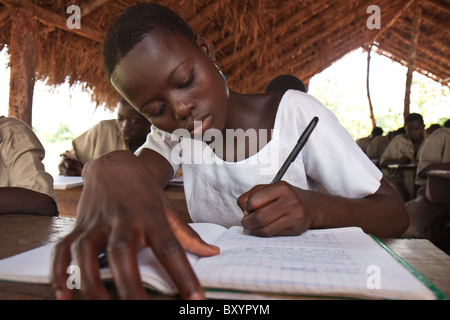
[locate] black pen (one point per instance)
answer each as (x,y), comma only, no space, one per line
(298,147)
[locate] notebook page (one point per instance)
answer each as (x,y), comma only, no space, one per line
(332,262)
(34,266)
(31,266)
(153,273)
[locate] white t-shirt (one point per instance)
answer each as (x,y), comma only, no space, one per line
(330,159)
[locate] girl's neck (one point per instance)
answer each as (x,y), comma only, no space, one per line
(254,115)
(252,111)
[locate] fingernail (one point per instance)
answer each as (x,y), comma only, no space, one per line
(61,295)
(197,296)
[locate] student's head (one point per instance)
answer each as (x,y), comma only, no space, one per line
(432,128)
(377,131)
(285,82)
(414,127)
(133,126)
(154,60)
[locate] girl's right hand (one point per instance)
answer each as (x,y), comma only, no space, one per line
(123,208)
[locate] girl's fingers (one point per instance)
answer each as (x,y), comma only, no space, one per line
(122,259)
(188,238)
(85,253)
(61,259)
(173,258)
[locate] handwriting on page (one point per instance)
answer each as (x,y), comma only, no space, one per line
(312,260)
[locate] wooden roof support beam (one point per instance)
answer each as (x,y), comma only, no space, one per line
(440,5)
(391,23)
(87,8)
(52,19)
(296,19)
(4,15)
(437,55)
(23,63)
(412,55)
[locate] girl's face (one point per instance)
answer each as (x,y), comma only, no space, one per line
(173,83)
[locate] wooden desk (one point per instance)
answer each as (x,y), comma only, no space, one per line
(19,233)
(68,200)
(438,186)
(409,177)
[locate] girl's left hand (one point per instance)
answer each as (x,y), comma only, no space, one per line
(274,209)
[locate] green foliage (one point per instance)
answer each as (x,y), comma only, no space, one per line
(63,134)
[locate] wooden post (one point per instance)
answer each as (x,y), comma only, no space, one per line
(412,55)
(372,116)
(23,63)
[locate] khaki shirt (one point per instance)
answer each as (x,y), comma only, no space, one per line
(363,143)
(21,155)
(400,146)
(377,147)
(436,150)
(102,138)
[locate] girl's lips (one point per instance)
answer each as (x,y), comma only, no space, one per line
(199,125)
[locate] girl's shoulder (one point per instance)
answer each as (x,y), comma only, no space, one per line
(297,107)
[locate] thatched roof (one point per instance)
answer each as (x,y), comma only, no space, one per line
(254,40)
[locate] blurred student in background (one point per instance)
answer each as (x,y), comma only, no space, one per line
(127,132)
(404,149)
(25,186)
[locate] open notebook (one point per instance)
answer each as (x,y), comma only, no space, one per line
(66,182)
(342,262)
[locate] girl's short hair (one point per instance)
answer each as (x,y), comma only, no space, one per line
(132,26)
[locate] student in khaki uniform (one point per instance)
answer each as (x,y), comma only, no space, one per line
(422,212)
(25,187)
(364,143)
(127,132)
(403,149)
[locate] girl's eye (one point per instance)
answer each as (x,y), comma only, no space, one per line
(159,112)
(189,81)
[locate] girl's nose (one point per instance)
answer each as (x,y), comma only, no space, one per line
(183,110)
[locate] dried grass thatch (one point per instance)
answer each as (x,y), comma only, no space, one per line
(255,40)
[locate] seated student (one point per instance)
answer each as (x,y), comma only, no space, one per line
(25,187)
(363,143)
(127,132)
(404,149)
(285,82)
(422,212)
(155,61)
(432,128)
(377,146)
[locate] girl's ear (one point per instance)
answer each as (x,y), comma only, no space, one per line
(205,46)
